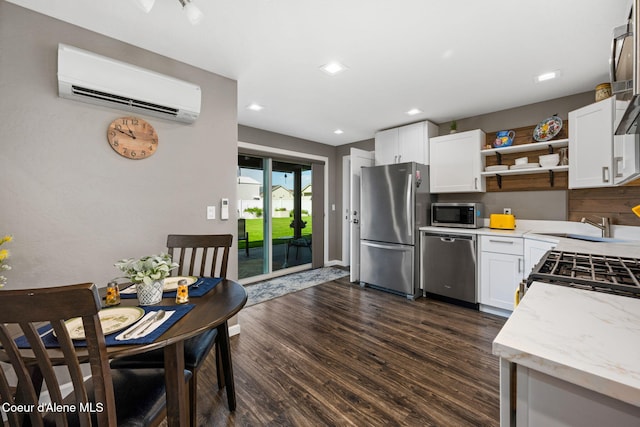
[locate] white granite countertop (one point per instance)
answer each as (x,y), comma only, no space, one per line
(587,338)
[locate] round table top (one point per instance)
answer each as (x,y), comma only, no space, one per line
(212,309)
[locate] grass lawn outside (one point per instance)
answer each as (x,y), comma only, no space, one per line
(280,230)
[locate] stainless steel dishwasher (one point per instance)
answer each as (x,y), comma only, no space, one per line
(448,266)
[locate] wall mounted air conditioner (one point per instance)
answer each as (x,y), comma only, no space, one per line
(88,77)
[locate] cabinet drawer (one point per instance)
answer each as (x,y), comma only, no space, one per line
(503,245)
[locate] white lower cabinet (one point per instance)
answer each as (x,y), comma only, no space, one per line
(533,252)
(501,270)
(543,400)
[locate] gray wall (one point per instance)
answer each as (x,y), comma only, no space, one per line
(73,205)
(527,115)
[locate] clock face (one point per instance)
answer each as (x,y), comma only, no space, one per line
(132,138)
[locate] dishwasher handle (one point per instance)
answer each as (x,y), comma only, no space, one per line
(450,237)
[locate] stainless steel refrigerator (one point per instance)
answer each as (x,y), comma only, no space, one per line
(395,202)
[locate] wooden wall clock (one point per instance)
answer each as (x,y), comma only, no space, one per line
(132,137)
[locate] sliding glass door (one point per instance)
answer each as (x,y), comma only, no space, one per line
(274,215)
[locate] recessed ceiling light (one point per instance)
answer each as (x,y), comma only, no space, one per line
(414,111)
(254,107)
(333,68)
(145,5)
(338,131)
(548,76)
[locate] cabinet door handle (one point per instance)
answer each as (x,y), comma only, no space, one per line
(509,242)
(519,265)
(616,170)
(475,183)
(408,207)
(605,174)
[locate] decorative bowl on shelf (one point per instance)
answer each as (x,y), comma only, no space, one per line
(522,160)
(549,160)
(547,129)
(524,166)
(496,168)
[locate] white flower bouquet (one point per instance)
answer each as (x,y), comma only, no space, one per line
(147,269)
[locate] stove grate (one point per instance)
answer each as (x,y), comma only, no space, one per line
(612,274)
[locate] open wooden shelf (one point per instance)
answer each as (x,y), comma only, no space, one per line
(534,146)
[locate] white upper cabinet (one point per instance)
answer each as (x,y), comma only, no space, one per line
(591,145)
(456,162)
(598,158)
(386,151)
(404,144)
(626,151)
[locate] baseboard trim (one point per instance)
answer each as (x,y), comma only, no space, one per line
(234,330)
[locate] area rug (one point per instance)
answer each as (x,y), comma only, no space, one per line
(273,288)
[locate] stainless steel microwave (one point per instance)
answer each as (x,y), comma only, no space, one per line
(459,215)
(623,61)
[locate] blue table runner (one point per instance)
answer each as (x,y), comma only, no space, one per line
(207,283)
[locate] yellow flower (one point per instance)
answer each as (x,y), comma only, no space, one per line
(6,239)
(3,254)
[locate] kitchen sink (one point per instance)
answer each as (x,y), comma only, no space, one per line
(585,237)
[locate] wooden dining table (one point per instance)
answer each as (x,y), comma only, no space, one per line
(212,310)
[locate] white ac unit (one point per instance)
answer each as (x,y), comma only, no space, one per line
(88,77)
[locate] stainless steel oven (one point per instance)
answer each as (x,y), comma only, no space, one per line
(458,215)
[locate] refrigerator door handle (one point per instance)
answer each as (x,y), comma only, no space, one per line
(381,246)
(409,207)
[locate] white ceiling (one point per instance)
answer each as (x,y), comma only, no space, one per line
(451,59)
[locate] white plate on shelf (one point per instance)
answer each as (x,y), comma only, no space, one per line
(496,168)
(112,320)
(171,283)
(525,166)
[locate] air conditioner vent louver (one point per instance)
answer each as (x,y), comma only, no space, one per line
(95,79)
(83,91)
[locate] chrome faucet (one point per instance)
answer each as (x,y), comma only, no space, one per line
(604,225)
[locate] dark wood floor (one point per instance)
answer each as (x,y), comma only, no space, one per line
(339,355)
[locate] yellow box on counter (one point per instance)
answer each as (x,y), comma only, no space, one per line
(502,221)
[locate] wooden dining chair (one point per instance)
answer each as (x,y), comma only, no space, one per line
(202,256)
(118,398)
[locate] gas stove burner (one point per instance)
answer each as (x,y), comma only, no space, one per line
(603,273)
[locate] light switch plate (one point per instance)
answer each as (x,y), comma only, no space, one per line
(211,212)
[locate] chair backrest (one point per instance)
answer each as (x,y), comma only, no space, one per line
(21,311)
(200,255)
